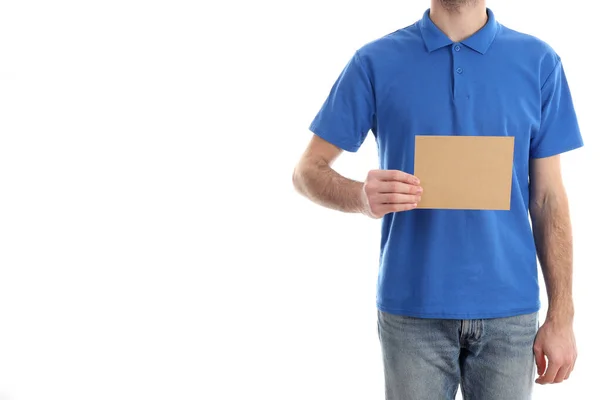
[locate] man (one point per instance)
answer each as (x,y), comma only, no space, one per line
(458,292)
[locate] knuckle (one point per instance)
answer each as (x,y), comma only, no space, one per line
(378,213)
(370,188)
(560,358)
(371,207)
(371,177)
(560,361)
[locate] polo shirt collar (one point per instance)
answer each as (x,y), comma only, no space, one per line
(480,41)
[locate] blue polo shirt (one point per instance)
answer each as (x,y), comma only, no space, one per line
(454,263)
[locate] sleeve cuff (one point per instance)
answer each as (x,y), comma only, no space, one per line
(543,153)
(350,147)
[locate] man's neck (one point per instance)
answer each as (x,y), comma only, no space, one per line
(461,22)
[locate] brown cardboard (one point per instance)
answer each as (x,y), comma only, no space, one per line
(464,172)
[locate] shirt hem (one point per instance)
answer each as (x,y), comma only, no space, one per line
(464,315)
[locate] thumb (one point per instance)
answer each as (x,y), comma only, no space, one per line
(540,361)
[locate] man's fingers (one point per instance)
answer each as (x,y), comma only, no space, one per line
(550,374)
(571,367)
(540,361)
(397,187)
(396,198)
(391,191)
(394,175)
(390,208)
(569,372)
(562,373)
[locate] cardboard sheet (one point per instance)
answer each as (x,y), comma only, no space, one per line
(464,172)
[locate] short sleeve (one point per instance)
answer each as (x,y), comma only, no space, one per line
(559,129)
(348,112)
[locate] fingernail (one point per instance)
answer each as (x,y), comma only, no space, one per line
(419,190)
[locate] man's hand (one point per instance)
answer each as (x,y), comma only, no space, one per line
(556,341)
(387,191)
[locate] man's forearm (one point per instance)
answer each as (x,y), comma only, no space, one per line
(321,184)
(553,238)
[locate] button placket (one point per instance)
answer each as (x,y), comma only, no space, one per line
(458,68)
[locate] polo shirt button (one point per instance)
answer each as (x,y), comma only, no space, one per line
(459,70)
(457,48)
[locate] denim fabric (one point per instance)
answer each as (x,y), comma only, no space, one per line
(427,359)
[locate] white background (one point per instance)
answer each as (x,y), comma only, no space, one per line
(151,243)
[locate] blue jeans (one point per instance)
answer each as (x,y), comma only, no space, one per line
(427,359)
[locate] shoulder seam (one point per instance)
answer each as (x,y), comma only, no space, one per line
(558,63)
(362,67)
